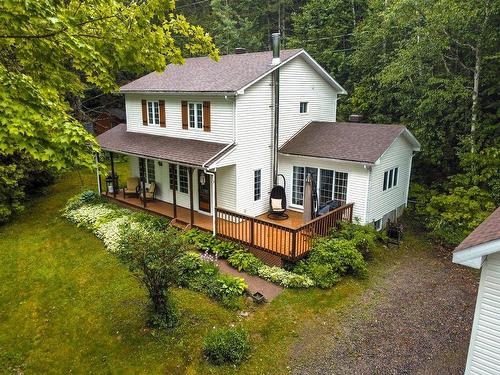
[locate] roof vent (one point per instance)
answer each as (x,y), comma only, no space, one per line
(355,118)
(240,50)
(276,48)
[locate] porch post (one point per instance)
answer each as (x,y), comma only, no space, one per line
(142,174)
(113,173)
(191,195)
(174,192)
(99,184)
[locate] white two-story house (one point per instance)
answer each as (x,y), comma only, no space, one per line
(216,134)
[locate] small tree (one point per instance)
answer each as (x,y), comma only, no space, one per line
(153,257)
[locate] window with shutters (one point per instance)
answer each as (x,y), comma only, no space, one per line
(153,113)
(195,115)
(391,177)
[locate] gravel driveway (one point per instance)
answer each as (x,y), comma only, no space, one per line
(416,319)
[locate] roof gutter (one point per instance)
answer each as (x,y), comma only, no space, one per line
(327,158)
(206,164)
(179,93)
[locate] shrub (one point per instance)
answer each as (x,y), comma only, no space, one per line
(330,259)
(202,276)
(452,215)
(88,215)
(285,278)
(245,261)
(149,221)
(226,346)
(88,197)
(364,237)
(154,258)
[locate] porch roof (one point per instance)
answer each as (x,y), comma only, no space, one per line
(177,150)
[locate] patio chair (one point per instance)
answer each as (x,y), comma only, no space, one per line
(394,233)
(277,202)
(132,187)
(150,192)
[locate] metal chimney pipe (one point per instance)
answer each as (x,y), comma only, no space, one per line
(276,95)
(275,38)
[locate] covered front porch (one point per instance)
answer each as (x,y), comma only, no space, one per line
(182,216)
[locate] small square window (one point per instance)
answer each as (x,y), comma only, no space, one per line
(303,107)
(257,180)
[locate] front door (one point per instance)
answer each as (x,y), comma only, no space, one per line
(203,191)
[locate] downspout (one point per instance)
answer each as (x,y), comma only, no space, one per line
(212,198)
(276,83)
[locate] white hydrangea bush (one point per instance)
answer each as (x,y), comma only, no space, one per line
(88,215)
(285,278)
(112,231)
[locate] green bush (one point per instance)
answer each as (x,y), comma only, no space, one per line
(205,277)
(451,216)
(226,346)
(245,261)
(364,237)
(149,221)
(330,259)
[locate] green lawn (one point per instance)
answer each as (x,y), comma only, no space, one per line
(66,305)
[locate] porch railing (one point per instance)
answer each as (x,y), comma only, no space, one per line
(288,243)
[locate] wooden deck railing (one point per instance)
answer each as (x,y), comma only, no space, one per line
(288,243)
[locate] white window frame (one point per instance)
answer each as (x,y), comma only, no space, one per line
(306,105)
(390,179)
(155,112)
(255,184)
(318,181)
(196,125)
(177,187)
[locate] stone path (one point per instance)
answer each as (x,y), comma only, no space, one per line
(255,284)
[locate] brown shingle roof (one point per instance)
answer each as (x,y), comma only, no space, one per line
(343,140)
(202,74)
(178,150)
(488,230)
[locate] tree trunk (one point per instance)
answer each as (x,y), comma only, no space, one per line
(475,99)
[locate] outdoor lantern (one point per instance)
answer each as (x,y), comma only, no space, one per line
(202,179)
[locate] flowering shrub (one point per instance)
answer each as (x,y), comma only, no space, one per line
(87,215)
(112,232)
(285,278)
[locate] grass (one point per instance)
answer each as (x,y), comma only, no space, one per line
(66,305)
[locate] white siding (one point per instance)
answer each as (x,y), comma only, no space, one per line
(357,180)
(253,150)
(399,154)
(484,350)
(299,82)
(221,115)
(226,187)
